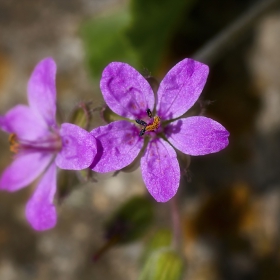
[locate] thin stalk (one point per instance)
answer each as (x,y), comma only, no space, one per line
(176,224)
(230,36)
(110,243)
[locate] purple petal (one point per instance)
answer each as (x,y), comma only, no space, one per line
(118,145)
(40,211)
(126,91)
(197,136)
(160,170)
(42,92)
(180,88)
(78,148)
(24,170)
(22,121)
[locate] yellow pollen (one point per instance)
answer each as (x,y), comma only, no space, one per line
(14,145)
(155,125)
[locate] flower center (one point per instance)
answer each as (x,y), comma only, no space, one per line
(149,126)
(14,145)
(50,143)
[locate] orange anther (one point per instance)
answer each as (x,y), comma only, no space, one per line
(14,145)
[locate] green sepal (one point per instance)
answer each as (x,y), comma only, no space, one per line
(81,115)
(66,182)
(109,116)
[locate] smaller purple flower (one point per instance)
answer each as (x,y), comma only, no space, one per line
(128,94)
(41,146)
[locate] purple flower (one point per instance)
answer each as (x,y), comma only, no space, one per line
(129,95)
(41,146)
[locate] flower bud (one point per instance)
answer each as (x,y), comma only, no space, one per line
(163,264)
(161,239)
(81,115)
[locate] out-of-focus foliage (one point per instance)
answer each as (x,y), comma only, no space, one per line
(131,220)
(162,238)
(224,214)
(164,264)
(104,42)
(153,24)
(140,36)
(128,223)
(66,182)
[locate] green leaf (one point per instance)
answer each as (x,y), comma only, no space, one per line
(128,223)
(153,24)
(105,42)
(131,220)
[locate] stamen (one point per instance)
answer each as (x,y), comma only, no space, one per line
(142,132)
(149,127)
(13,141)
(141,122)
(155,125)
(52,143)
(149,113)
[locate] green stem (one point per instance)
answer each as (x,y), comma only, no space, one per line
(230,36)
(176,224)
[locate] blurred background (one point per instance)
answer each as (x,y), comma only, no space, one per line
(229,202)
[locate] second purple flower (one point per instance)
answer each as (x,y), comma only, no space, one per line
(40,146)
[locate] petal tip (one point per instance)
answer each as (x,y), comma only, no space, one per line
(160,170)
(41,217)
(162,198)
(44,66)
(42,91)
(49,61)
